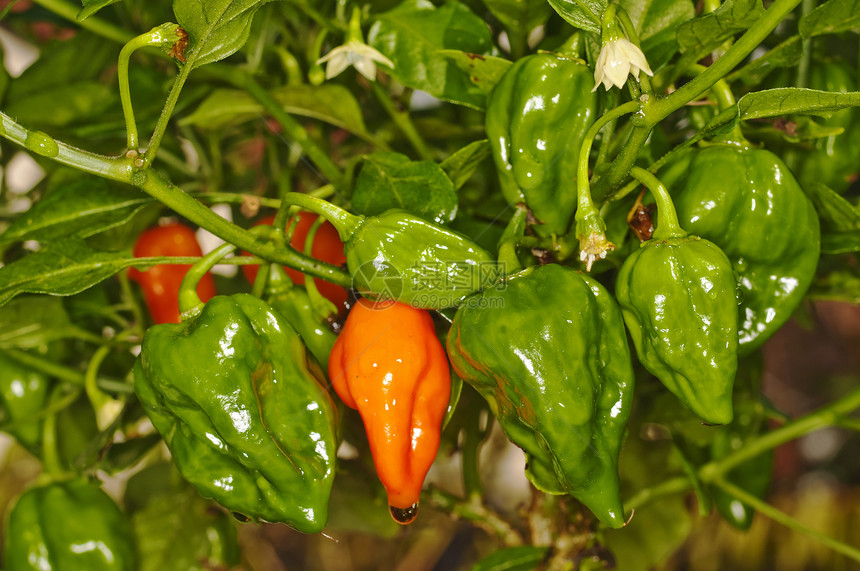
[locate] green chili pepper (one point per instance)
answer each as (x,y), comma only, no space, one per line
(400,256)
(68,525)
(749,204)
(241,407)
(677,295)
(548,352)
(23,393)
(536,118)
(294,303)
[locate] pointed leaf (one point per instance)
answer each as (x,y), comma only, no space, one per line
(462,165)
(656,22)
(701,35)
(216,28)
(831,17)
(391,180)
(65,267)
(840,220)
(788,100)
(484,71)
(32,321)
(786,54)
(93,6)
(411,36)
(82,208)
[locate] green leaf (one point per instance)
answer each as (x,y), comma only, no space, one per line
(81,208)
(582,14)
(65,267)
(93,6)
(217,28)
(329,102)
(794,100)
(411,36)
(460,166)
(656,22)
(391,180)
(32,321)
(840,220)
(832,17)
(786,54)
(484,71)
(522,558)
(701,35)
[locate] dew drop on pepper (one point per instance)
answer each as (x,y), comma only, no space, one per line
(404,516)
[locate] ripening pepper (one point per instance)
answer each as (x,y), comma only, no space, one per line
(160,284)
(399,256)
(326,247)
(294,303)
(242,407)
(23,393)
(677,296)
(389,365)
(536,118)
(549,353)
(68,525)
(749,204)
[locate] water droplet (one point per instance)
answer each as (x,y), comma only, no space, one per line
(42,144)
(404,516)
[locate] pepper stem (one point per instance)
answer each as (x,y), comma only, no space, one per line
(51,463)
(507,257)
(322,307)
(590,228)
(667,223)
(344,222)
(190,303)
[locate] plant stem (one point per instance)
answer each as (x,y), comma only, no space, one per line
(786,520)
(403,121)
(668,226)
(163,191)
(666,488)
(473,510)
(113,168)
(166,112)
(93,24)
(190,303)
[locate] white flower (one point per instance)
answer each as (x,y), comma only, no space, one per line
(617,58)
(357,54)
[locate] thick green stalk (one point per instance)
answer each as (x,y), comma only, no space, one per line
(163,191)
(403,122)
(62,373)
(190,304)
(668,225)
(166,113)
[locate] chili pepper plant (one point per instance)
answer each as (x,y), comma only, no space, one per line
(414,284)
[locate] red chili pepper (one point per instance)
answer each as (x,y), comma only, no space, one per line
(160,284)
(327,247)
(389,365)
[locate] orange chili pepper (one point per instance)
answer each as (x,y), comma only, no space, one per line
(388,364)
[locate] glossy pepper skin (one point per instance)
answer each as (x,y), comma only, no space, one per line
(549,353)
(749,204)
(399,256)
(537,116)
(327,247)
(160,284)
(677,296)
(68,525)
(23,393)
(243,410)
(389,365)
(294,303)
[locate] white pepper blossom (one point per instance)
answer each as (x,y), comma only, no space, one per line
(357,54)
(619,57)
